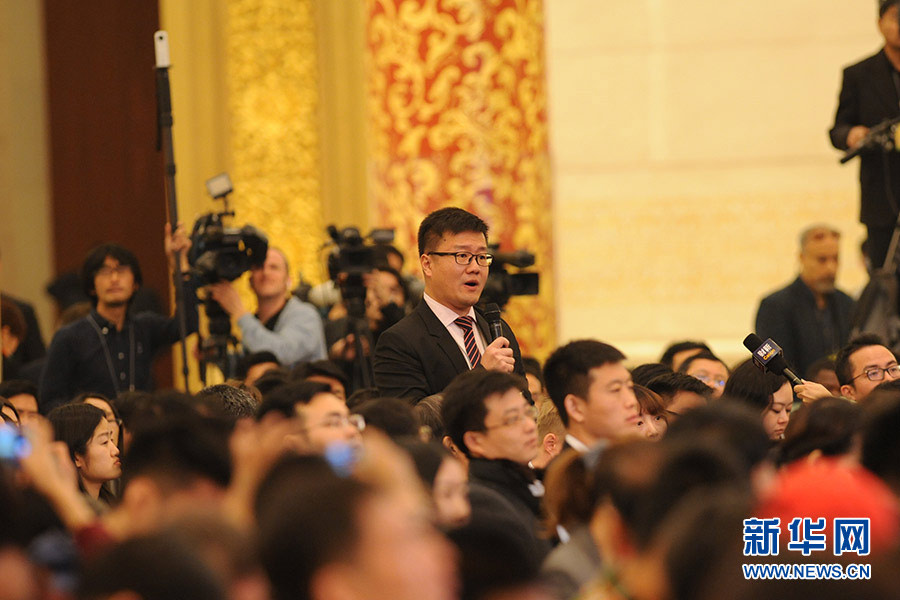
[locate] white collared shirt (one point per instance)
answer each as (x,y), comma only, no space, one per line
(576,443)
(447,316)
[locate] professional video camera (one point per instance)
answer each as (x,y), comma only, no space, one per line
(222,253)
(501,284)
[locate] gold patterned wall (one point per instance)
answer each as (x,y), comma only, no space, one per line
(457,111)
(271,71)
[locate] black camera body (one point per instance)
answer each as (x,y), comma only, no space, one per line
(353,256)
(220,253)
(501,285)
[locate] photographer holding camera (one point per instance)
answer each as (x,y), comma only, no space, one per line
(283,325)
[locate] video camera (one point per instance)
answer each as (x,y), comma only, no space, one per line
(352,257)
(501,284)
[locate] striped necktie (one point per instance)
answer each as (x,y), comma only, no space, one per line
(465,323)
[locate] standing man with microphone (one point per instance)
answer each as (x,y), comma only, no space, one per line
(445,335)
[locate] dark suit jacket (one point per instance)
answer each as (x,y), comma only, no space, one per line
(418,357)
(32,347)
(790,317)
(868,96)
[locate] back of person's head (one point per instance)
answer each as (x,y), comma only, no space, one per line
(94,262)
(548,421)
(702,355)
(669,353)
(320,370)
(464,409)
(252,359)
(426,456)
(623,476)
(139,409)
(228,402)
(156,567)
(362,395)
(842,366)
(285,398)
(177,452)
(568,370)
(687,466)
(272,379)
(644,374)
(880,442)
(12,319)
(752,386)
(567,494)
(74,425)
(729,424)
(308,518)
(447,220)
(669,384)
(827,427)
(427,412)
(391,415)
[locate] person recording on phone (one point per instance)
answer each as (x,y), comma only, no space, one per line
(111,350)
(870,94)
(283,325)
(445,335)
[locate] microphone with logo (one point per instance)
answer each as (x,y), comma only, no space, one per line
(768,355)
(492,314)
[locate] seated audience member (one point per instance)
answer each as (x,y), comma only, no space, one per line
(324,371)
(228,402)
(445,478)
(153,567)
(765,392)
(644,374)
(86,433)
(283,325)
(824,371)
(325,537)
(880,451)
(678,352)
(12,332)
(535,377)
(575,561)
(827,428)
(592,390)
(23,395)
(653,421)
(810,318)
(112,349)
(863,364)
(256,364)
(709,369)
(271,379)
(487,416)
(428,418)
(551,436)
(109,411)
(392,416)
(326,418)
(680,393)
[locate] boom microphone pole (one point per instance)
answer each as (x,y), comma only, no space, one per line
(164,124)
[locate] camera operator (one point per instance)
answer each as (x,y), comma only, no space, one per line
(111,350)
(283,325)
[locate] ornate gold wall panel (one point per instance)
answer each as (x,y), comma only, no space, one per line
(457,109)
(272,100)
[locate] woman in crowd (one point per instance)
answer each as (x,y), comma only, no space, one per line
(445,477)
(109,409)
(92,448)
(765,392)
(653,421)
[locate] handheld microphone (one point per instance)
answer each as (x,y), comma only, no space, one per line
(769,356)
(492,314)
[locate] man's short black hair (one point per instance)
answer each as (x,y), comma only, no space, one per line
(323,368)
(670,352)
(393,416)
(884,5)
(567,371)
(669,384)
(644,374)
(94,262)
(752,386)
(252,359)
(285,398)
(823,364)
(702,355)
(463,408)
(15,387)
(842,366)
(448,220)
(533,367)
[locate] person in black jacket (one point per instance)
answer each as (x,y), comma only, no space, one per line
(870,94)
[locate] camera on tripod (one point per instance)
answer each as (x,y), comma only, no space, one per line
(501,284)
(352,257)
(222,253)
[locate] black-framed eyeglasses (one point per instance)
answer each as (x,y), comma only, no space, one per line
(877,373)
(529,412)
(465,258)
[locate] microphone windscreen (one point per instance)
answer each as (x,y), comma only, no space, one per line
(752,342)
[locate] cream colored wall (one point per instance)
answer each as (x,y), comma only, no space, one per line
(24,173)
(690,148)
